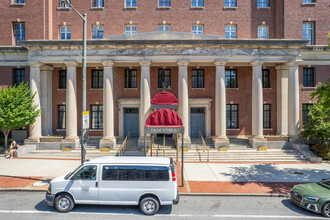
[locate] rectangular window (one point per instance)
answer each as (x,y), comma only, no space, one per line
(263,32)
(230,3)
(65,32)
(230,31)
(97,116)
(308,1)
(164,78)
(263,3)
(61,116)
(130,29)
(197,29)
(265,79)
(164,28)
(308,77)
(308,32)
(267,115)
(164,3)
(98,31)
(62,79)
(19,32)
(232,116)
(305,111)
(231,78)
(98,3)
(97,79)
(198,78)
(19,1)
(131,3)
(64,5)
(19,76)
(197,3)
(130,78)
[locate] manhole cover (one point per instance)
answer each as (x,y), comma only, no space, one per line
(40,183)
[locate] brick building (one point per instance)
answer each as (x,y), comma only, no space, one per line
(237,67)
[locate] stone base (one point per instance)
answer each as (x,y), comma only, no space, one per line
(141,142)
(32,141)
(50,145)
(71,143)
(279,145)
(109,143)
(257,142)
(186,144)
(219,142)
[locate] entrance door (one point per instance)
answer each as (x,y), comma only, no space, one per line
(197,121)
(131,122)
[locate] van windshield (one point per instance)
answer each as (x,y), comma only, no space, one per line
(69,174)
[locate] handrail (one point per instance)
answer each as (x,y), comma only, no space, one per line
(122,148)
(204,146)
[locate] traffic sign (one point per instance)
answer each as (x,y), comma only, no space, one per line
(85,120)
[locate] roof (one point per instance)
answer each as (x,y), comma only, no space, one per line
(130,160)
(164,98)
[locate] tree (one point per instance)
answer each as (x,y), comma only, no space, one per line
(16,109)
(317,129)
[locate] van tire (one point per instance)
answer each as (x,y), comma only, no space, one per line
(64,203)
(149,206)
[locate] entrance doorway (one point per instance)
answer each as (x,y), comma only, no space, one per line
(197,122)
(131,122)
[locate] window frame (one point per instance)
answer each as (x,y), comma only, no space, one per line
(230,118)
(263,4)
(164,27)
(265,75)
(230,31)
(19,32)
(97,32)
(267,118)
(309,1)
(18,76)
(229,3)
(66,32)
(308,77)
(264,30)
(129,3)
(197,30)
(304,112)
(129,83)
(310,35)
(97,124)
(199,75)
(59,113)
(97,78)
(62,79)
(64,5)
(162,78)
(229,78)
(19,1)
(163,5)
(130,31)
(196,3)
(98,4)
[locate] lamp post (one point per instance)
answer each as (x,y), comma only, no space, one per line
(84,58)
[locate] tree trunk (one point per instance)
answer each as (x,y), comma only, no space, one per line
(6,133)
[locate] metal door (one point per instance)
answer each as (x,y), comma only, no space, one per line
(131,122)
(197,121)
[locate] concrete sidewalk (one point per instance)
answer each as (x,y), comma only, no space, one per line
(241,178)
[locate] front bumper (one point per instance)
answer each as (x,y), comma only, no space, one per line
(50,199)
(306,204)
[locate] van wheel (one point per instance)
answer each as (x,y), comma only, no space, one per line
(64,203)
(149,206)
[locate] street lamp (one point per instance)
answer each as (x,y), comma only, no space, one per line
(84,58)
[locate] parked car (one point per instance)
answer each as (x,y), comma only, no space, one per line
(314,197)
(144,181)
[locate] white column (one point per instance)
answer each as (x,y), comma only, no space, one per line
(35,128)
(282,99)
(257,100)
(145,100)
(71,101)
(108,106)
(183,97)
(293,100)
(46,99)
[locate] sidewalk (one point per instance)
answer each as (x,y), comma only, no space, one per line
(232,178)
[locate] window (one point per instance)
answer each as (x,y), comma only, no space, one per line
(86,173)
(198,78)
(131,3)
(232,116)
(265,79)
(267,116)
(230,3)
(19,1)
(197,3)
(65,32)
(305,111)
(130,78)
(19,32)
(97,116)
(98,3)
(97,79)
(197,29)
(308,77)
(19,76)
(64,5)
(164,78)
(164,28)
(130,29)
(231,78)
(308,1)
(62,79)
(308,32)
(263,32)
(98,32)
(263,4)
(61,116)
(230,31)
(164,3)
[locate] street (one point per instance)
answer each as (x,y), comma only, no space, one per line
(31,205)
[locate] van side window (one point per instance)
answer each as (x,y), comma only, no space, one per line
(127,173)
(86,173)
(109,173)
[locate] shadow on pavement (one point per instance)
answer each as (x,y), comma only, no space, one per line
(287,203)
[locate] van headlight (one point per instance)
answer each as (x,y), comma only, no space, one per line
(314,199)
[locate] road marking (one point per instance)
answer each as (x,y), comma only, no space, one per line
(169,215)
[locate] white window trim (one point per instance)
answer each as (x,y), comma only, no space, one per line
(130,6)
(66,26)
(263,32)
(163,25)
(197,25)
(191,6)
(231,25)
(165,6)
(130,29)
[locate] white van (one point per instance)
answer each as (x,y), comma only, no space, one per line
(145,181)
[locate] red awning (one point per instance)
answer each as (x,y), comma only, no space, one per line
(164,118)
(164,98)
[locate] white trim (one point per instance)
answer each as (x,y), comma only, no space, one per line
(125,103)
(202,103)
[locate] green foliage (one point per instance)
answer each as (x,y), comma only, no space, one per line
(321,150)
(2,141)
(329,40)
(16,108)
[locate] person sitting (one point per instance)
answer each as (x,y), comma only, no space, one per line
(12,149)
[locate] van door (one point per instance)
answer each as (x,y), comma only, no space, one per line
(85,185)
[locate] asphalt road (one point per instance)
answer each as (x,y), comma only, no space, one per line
(31,205)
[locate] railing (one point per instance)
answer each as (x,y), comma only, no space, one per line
(122,148)
(204,146)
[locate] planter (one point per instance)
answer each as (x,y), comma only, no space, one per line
(277,138)
(51,139)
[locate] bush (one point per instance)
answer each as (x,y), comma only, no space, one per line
(2,141)
(321,151)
